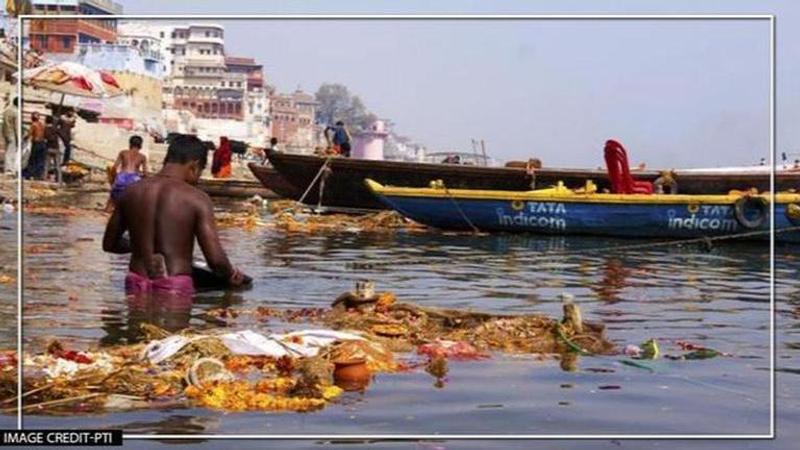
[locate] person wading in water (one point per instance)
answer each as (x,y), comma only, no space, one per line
(128,169)
(164,214)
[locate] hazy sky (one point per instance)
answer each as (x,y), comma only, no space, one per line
(676,93)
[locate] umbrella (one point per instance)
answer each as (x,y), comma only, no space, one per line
(69,78)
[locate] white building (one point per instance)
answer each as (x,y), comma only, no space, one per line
(200,79)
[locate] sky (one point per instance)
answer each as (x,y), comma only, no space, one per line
(686,93)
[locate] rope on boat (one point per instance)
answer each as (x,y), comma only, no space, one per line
(460,211)
(313,182)
(705,240)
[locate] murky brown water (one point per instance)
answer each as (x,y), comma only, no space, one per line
(8,292)
(717,298)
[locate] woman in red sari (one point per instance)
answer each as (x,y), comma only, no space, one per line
(221,165)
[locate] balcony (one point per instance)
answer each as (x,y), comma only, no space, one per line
(151,55)
(201,39)
(61,26)
(94,29)
(210,61)
(194,73)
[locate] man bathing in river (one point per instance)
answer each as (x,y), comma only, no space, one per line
(129,168)
(164,214)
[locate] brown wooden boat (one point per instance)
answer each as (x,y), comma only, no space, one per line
(345,187)
(234,188)
(274,181)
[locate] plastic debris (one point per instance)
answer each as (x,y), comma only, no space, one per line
(633,351)
(247,342)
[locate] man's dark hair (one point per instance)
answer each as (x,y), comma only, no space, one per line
(16,101)
(273,141)
(135,142)
(339,123)
(186,148)
(48,119)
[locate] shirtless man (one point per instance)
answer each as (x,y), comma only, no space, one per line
(164,214)
(129,168)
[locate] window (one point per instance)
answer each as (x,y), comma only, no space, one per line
(161,34)
(208,34)
(66,41)
(173,35)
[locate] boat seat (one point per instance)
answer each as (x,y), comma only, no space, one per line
(619,172)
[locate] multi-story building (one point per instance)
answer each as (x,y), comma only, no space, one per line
(149,49)
(64,35)
(293,119)
(256,101)
(253,72)
(199,78)
(152,32)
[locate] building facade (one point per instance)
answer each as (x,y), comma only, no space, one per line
(256,98)
(199,77)
(64,35)
(293,120)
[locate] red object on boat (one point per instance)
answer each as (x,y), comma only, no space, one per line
(450,349)
(619,172)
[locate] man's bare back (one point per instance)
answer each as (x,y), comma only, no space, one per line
(131,161)
(163,215)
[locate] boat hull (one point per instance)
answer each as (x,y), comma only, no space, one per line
(345,187)
(234,188)
(274,181)
(590,215)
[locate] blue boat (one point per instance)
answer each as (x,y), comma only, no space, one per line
(559,210)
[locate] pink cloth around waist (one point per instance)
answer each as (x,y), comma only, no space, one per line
(176,284)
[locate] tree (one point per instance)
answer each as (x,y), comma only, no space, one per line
(331,99)
(335,102)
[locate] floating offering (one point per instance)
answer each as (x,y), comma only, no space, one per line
(303,370)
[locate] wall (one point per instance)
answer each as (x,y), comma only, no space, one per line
(145,91)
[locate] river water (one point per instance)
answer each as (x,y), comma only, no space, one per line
(718,298)
(8,293)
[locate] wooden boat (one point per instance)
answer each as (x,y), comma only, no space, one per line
(559,210)
(274,181)
(344,186)
(234,188)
